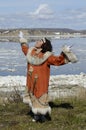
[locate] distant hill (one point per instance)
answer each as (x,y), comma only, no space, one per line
(30,30)
(37,33)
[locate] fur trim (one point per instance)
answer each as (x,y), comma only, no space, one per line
(23,40)
(40,105)
(43,111)
(34,60)
(37,105)
(27,100)
(69,54)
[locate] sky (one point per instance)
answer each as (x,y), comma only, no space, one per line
(43,14)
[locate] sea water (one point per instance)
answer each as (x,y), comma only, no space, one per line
(13,62)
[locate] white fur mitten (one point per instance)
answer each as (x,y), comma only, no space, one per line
(71,57)
(21,38)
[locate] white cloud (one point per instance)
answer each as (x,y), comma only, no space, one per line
(43,12)
(39,18)
(72,16)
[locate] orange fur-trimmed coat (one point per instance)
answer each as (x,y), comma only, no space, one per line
(38,75)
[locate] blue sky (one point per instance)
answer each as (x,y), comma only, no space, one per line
(43,13)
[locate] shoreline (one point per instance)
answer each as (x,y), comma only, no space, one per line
(59,85)
(33,34)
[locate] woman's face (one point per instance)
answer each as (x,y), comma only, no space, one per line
(39,44)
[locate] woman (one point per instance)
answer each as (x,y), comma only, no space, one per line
(39,60)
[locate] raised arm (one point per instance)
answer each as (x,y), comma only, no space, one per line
(24,47)
(56,60)
(66,56)
(23,43)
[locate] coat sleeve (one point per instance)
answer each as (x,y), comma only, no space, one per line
(24,48)
(56,60)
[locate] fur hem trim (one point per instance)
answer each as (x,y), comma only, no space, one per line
(34,60)
(43,111)
(27,100)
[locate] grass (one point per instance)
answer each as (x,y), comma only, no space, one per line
(67,114)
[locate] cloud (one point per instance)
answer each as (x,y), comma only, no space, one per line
(72,17)
(42,12)
(75,18)
(75,14)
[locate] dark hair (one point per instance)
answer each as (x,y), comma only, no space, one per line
(46,46)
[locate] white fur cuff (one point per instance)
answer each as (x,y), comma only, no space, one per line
(23,40)
(69,54)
